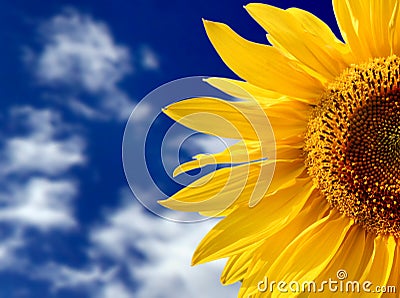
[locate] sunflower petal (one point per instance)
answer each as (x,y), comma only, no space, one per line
(244,90)
(236,185)
(235,120)
(304,37)
(369,27)
(351,258)
(261,65)
(231,235)
(273,246)
(246,120)
(394,278)
(236,266)
(241,152)
(307,256)
(380,267)
(220,189)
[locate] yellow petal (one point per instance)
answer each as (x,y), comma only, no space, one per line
(220,189)
(380,267)
(369,27)
(296,109)
(352,28)
(366,256)
(271,178)
(308,255)
(261,65)
(351,259)
(296,115)
(394,279)
(394,29)
(245,226)
(241,152)
(243,184)
(274,245)
(247,120)
(285,174)
(244,90)
(382,19)
(235,120)
(237,265)
(304,37)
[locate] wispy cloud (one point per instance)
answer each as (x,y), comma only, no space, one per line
(80,55)
(37,151)
(10,243)
(149,59)
(40,202)
(79,50)
(166,248)
(115,289)
(150,257)
(63,276)
(43,148)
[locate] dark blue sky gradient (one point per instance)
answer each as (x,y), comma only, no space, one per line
(174,29)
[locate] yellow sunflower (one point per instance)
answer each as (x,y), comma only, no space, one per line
(333,202)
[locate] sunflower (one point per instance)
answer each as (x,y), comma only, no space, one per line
(334,200)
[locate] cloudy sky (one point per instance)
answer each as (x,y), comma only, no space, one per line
(71,74)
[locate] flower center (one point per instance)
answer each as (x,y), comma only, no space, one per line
(353,145)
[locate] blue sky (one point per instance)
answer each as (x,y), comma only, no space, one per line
(71,73)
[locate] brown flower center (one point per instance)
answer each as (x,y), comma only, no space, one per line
(353,144)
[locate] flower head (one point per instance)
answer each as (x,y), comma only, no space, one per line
(334,200)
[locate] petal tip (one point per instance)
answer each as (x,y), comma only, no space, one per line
(249,5)
(195,261)
(209,25)
(162,202)
(206,22)
(178,170)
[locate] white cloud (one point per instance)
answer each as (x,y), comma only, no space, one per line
(167,248)
(46,147)
(81,50)
(148,257)
(115,289)
(37,151)
(63,276)
(41,203)
(85,110)
(9,244)
(80,54)
(149,59)
(117,103)
(42,150)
